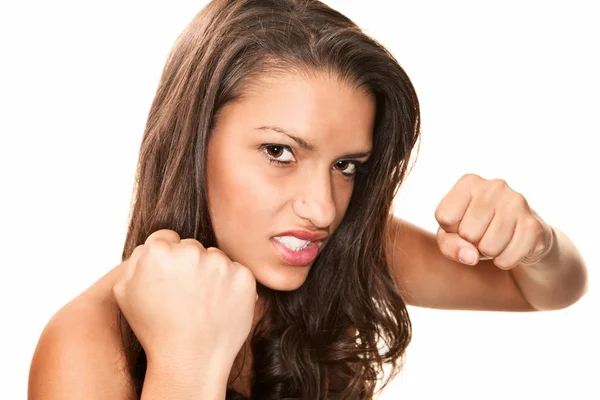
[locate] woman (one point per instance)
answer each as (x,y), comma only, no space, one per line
(276,142)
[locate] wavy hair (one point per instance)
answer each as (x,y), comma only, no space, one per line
(324,339)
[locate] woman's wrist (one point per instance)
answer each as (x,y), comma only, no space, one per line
(185,377)
(188,353)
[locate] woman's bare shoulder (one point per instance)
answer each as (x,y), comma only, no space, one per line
(79,351)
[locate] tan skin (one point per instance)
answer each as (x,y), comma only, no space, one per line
(78,353)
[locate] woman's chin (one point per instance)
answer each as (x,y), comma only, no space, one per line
(282,278)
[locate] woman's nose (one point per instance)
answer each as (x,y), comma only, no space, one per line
(316,201)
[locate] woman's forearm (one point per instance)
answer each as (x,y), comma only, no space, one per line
(556,281)
(184,381)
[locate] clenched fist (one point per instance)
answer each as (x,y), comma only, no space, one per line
(488,218)
(184,301)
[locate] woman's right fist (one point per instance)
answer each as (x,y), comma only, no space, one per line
(182,300)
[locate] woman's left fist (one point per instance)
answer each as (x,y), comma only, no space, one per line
(481,217)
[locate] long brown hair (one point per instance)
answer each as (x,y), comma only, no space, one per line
(322,339)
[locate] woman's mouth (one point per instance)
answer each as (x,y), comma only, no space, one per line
(296,251)
(292,242)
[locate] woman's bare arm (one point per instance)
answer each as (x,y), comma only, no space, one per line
(427,278)
(78,357)
(556,281)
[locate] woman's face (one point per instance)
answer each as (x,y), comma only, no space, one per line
(281,162)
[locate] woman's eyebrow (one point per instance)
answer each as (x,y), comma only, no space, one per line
(305,145)
(361,154)
(301,142)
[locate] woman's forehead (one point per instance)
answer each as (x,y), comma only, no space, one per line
(304,103)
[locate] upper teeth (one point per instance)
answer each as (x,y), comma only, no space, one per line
(292,242)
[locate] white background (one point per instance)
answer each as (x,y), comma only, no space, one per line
(508,90)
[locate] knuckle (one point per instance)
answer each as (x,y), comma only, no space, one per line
(163,234)
(158,247)
(533,227)
(192,241)
(499,184)
(216,258)
(217,254)
(136,253)
(439,215)
(469,177)
(213,250)
(191,253)
(519,200)
(443,217)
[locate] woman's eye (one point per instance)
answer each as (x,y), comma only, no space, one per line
(348,168)
(278,153)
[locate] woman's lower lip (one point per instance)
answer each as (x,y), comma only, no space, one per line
(297,258)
